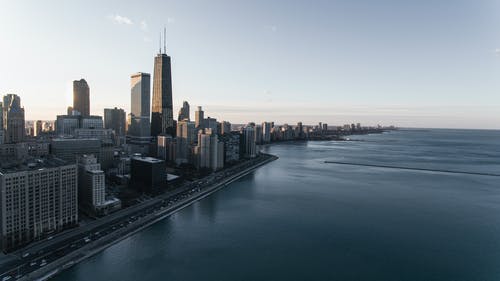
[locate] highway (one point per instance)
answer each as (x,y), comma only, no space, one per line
(35,260)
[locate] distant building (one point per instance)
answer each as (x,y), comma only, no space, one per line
(91,122)
(184,112)
(91,183)
(249,147)
(115,119)
(225,128)
(166,146)
(106,136)
(37,126)
(258,134)
(185,138)
(210,151)
(231,147)
(266,132)
(147,174)
(299,130)
(69,149)
(36,200)
(19,152)
(67,124)
(13,119)
(210,123)
(199,118)
(81,97)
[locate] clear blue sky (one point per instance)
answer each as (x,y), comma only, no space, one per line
(410,63)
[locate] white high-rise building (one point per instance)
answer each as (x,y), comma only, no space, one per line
(91,189)
(266,132)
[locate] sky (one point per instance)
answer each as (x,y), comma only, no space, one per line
(420,63)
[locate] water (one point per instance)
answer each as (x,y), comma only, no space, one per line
(301,219)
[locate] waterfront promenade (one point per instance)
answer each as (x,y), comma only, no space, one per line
(41,260)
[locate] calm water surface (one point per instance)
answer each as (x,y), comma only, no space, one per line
(301,219)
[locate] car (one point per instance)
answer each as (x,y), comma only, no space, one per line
(50,237)
(5,278)
(32,263)
(25,255)
(86,239)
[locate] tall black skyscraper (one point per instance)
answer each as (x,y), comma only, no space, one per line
(162,120)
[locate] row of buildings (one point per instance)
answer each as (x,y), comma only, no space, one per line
(55,171)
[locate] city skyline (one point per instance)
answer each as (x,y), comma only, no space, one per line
(240,76)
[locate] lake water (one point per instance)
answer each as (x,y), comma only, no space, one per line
(299,218)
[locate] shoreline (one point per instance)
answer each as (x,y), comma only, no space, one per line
(73,258)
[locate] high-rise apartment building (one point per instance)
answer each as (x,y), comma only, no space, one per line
(36,200)
(91,183)
(210,150)
(249,147)
(162,120)
(199,118)
(81,97)
(186,134)
(184,112)
(266,132)
(13,119)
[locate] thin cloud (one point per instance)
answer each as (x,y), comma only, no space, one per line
(170,20)
(117,19)
(144,25)
(497,52)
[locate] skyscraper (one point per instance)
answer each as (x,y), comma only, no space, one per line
(13,119)
(185,138)
(38,128)
(162,120)
(81,97)
(139,131)
(249,148)
(199,118)
(184,112)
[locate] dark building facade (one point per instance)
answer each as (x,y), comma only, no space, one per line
(147,174)
(115,118)
(162,120)
(13,119)
(81,97)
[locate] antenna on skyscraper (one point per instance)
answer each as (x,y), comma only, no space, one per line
(165,39)
(159,45)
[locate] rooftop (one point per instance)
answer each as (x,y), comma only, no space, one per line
(147,159)
(31,165)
